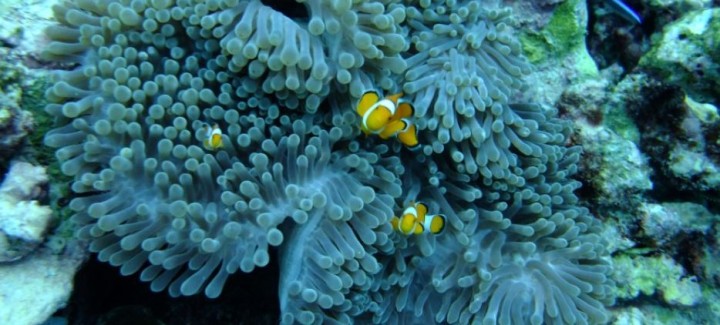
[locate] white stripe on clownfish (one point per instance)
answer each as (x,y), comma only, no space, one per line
(415,220)
(213,137)
(376,113)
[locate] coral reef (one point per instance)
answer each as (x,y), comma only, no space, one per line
(616,174)
(686,54)
(680,5)
(633,316)
(647,275)
(293,171)
(556,46)
(670,223)
(614,167)
(662,236)
(561,35)
(658,206)
(678,134)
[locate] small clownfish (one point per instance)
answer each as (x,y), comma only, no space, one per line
(405,131)
(376,113)
(387,117)
(415,220)
(212,137)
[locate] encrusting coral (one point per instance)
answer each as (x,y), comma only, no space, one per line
(288,167)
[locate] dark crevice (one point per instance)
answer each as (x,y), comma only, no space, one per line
(291,9)
(103,296)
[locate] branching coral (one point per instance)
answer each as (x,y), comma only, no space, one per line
(291,171)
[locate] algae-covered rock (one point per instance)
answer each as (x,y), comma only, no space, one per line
(694,166)
(630,316)
(34,288)
(678,133)
(613,167)
(680,4)
(616,113)
(15,124)
(557,49)
(687,54)
(649,275)
(615,235)
(23,221)
(668,223)
(706,113)
(562,36)
(24,22)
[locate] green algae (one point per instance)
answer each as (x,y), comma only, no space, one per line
(563,36)
(622,124)
(650,275)
(686,54)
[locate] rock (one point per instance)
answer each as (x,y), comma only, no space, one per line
(650,275)
(556,47)
(630,316)
(32,289)
(680,5)
(614,167)
(15,123)
(615,239)
(679,134)
(663,223)
(687,54)
(24,22)
(23,221)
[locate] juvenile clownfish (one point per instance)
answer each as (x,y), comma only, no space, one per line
(376,113)
(415,220)
(405,131)
(212,137)
(387,117)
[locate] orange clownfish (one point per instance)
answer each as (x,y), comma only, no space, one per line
(415,220)
(387,117)
(405,131)
(212,137)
